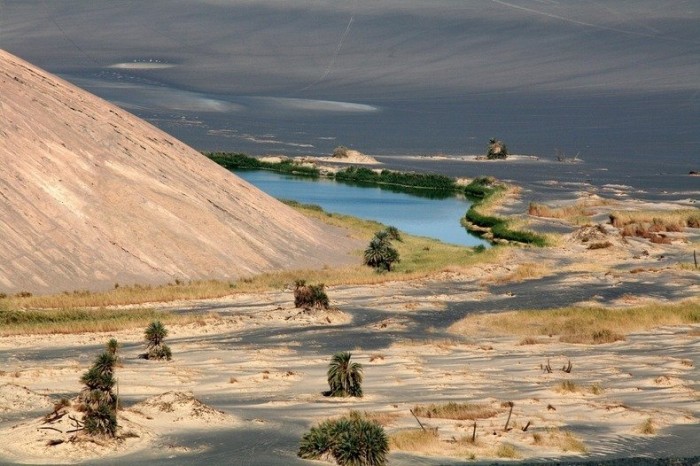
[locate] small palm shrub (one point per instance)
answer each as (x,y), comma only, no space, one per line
(98,401)
(344,377)
(380,254)
(155,348)
(351,441)
(308,296)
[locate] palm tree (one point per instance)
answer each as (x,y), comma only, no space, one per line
(99,402)
(155,334)
(393,233)
(380,254)
(344,377)
(113,346)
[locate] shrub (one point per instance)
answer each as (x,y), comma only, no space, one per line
(344,377)
(380,254)
(340,152)
(308,296)
(112,347)
(351,441)
(155,348)
(98,401)
(496,149)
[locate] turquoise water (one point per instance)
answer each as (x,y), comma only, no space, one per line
(435,218)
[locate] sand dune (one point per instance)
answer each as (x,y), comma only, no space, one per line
(91,195)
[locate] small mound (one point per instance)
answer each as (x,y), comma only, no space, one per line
(15,398)
(175,407)
(320,316)
(56,438)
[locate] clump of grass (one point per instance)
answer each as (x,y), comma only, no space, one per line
(417,440)
(597,389)
(566,441)
(591,325)
(567,386)
(537,438)
(308,296)
(383,418)
(647,427)
(505,450)
(458,411)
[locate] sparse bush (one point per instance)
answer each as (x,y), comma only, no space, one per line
(496,149)
(308,296)
(340,152)
(351,441)
(155,348)
(344,377)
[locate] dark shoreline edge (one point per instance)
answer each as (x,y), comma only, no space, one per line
(494,229)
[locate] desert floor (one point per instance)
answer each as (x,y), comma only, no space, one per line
(246,379)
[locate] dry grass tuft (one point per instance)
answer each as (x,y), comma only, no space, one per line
(566,441)
(652,224)
(530,341)
(384,418)
(507,451)
(522,272)
(597,389)
(577,213)
(458,411)
(417,440)
(567,386)
(647,427)
(591,325)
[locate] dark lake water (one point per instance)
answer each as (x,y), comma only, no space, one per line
(617,83)
(435,218)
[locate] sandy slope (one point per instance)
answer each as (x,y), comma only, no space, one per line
(91,195)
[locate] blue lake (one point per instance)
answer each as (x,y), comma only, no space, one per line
(435,218)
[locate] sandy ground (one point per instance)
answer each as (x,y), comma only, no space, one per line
(259,366)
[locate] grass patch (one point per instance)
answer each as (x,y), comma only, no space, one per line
(573,213)
(653,224)
(566,441)
(458,411)
(597,389)
(507,451)
(417,440)
(590,325)
(70,321)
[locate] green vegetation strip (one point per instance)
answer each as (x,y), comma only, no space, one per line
(480,190)
(19,321)
(233,161)
(355,175)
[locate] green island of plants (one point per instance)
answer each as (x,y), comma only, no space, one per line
(481,190)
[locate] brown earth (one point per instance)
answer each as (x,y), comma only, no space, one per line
(90,195)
